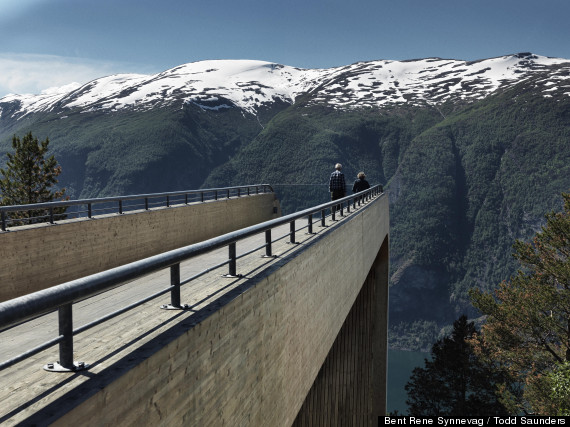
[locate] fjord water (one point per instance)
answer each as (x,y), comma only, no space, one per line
(400,366)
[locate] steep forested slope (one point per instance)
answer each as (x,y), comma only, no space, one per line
(129,152)
(465,190)
(299,147)
(462,187)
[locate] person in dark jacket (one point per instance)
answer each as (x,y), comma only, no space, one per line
(360,184)
(337,185)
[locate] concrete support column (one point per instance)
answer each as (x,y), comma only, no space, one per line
(350,388)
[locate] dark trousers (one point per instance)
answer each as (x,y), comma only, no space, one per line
(335,195)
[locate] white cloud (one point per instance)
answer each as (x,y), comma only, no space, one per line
(33,74)
(10,8)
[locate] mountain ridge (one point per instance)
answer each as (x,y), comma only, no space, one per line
(250,85)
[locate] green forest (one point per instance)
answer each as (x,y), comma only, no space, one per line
(518,361)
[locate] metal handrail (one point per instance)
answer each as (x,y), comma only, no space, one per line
(214,193)
(61,297)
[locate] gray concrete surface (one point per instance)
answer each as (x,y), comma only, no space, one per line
(28,392)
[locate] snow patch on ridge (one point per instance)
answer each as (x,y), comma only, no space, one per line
(249,85)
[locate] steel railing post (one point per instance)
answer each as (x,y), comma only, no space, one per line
(323,215)
(292,232)
(175,282)
(120,206)
(65,314)
(167,201)
(51,215)
(3,214)
(268,252)
(310,220)
(232,256)
(65,363)
(175,290)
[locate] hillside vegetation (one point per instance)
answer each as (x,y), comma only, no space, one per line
(466,189)
(129,152)
(462,187)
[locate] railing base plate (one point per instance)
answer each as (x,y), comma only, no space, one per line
(175,307)
(56,367)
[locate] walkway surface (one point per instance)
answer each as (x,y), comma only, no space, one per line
(29,393)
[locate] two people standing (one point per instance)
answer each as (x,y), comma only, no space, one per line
(337,184)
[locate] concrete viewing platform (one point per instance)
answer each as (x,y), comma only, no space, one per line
(248,339)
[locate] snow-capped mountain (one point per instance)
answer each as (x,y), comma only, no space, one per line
(250,85)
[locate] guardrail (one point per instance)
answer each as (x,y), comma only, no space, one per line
(118,204)
(62,297)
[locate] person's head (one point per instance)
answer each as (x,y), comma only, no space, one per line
(338,166)
(361,175)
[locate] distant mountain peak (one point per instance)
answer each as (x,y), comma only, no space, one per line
(251,85)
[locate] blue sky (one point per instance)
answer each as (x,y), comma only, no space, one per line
(48,43)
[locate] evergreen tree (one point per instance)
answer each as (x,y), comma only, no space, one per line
(559,380)
(28,178)
(528,318)
(455,382)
